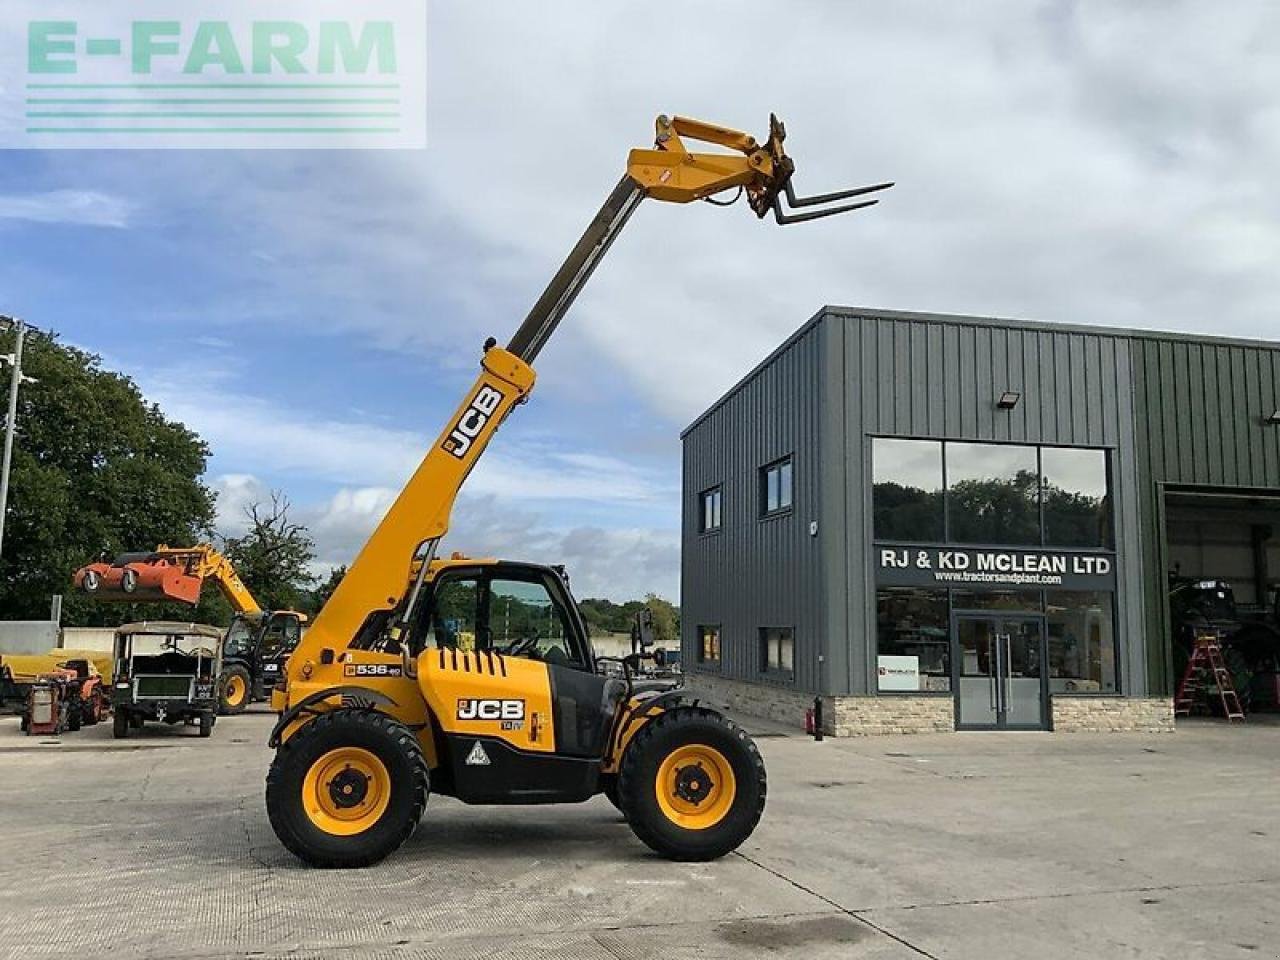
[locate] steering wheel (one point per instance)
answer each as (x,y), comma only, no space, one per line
(522,647)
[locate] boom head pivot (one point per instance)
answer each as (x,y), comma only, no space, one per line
(672,173)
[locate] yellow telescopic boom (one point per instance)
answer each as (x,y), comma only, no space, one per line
(378,593)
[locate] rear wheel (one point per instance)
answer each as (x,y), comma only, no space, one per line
(120,724)
(348,789)
(233,690)
(206,724)
(692,784)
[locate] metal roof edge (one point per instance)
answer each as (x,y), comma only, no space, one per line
(1049,326)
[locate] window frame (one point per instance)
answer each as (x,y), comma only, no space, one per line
(766,670)
(783,509)
(718,492)
(581,653)
(1109,456)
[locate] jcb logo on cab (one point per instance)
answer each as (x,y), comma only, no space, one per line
(490,709)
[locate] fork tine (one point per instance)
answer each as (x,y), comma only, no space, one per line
(821,198)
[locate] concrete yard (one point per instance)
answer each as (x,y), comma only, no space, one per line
(974,846)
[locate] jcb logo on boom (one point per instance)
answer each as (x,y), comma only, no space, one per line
(478,413)
(505,710)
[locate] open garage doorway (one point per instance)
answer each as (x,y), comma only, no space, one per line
(1223,557)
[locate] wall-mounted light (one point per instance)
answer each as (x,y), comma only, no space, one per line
(1008,400)
(1274,419)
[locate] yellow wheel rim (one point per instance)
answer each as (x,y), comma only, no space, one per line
(695,787)
(346,791)
(236,690)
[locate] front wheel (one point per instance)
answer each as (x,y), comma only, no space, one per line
(120,724)
(234,690)
(692,785)
(348,789)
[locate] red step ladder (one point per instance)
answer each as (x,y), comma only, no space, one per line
(1206,658)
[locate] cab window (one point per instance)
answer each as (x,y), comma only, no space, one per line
(525,620)
(454,611)
(282,636)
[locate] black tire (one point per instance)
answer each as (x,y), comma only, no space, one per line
(120,724)
(225,707)
(638,784)
(74,716)
(392,743)
(609,787)
(206,724)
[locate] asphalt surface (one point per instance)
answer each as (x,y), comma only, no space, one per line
(960,846)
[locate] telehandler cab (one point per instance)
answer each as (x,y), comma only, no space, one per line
(475,678)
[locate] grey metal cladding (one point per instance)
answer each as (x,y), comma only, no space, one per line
(1201,408)
(756,572)
(925,376)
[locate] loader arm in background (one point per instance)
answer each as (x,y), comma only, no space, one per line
(376,598)
(209,564)
(168,573)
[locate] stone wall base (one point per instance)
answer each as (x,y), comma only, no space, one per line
(872,716)
(1112,715)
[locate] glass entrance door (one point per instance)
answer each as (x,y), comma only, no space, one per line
(1001,678)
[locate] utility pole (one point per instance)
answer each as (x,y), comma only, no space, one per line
(11,423)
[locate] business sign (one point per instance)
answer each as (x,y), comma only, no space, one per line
(968,568)
(213,74)
(898,673)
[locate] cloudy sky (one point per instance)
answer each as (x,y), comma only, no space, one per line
(316,315)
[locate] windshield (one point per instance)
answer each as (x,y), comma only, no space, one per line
(239,638)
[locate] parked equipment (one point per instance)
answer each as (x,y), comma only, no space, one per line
(60,695)
(383,702)
(173,682)
(258,641)
(1248,637)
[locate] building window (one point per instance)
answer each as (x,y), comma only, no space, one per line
(709,518)
(778,651)
(913,640)
(908,497)
(1077,497)
(709,645)
(1082,642)
(776,487)
(993,494)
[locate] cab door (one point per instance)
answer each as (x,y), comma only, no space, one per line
(508,675)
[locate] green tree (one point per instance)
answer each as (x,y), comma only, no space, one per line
(321,594)
(97,471)
(274,556)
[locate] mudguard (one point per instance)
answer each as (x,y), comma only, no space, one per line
(360,698)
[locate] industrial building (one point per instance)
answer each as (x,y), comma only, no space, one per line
(942,522)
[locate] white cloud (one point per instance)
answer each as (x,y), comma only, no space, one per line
(621,564)
(86,208)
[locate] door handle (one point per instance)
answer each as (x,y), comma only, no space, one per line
(1006,677)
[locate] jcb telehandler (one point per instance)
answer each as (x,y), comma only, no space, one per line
(475,678)
(258,641)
